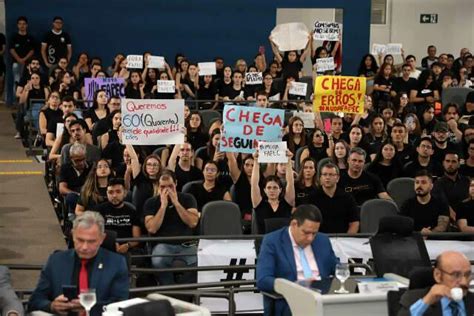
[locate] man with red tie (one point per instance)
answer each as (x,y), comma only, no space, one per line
(87,266)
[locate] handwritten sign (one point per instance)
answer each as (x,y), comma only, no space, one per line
(152,122)
(244,126)
(339,94)
(298,88)
(307,117)
(325,64)
(166,86)
(134,61)
(156,62)
(378,49)
(390,48)
(275,97)
(269,152)
(206,69)
(290,36)
(253,78)
(59,129)
(326,31)
(112,86)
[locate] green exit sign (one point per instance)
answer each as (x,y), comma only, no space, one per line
(429,18)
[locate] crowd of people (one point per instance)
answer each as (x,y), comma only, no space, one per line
(344,161)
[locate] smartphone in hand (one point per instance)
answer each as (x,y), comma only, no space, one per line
(70,292)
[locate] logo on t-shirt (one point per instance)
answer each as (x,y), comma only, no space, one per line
(62,39)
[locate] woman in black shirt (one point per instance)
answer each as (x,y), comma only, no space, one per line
(306,185)
(99,109)
(465,211)
(291,63)
(277,201)
(317,148)
(50,112)
(165,95)
(296,137)
(134,84)
(368,67)
(385,166)
(196,135)
(382,84)
(427,91)
(65,85)
(207,91)
(235,91)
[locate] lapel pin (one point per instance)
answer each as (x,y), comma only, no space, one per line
(100,266)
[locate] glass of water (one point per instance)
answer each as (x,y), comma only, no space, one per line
(87,298)
(342,274)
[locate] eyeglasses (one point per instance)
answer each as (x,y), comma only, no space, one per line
(458,275)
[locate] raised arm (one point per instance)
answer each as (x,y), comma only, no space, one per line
(307,49)
(233,166)
(254,181)
(135,163)
(275,51)
(173,157)
(290,180)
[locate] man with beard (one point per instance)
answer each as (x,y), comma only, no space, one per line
(452,187)
(441,142)
(429,213)
(183,167)
(34,65)
(78,130)
(119,216)
(452,270)
(423,160)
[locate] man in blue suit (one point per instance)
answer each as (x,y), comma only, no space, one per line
(85,266)
(295,253)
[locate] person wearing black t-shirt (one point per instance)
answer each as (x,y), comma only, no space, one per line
(207,91)
(180,163)
(467,169)
(118,216)
(429,213)
(235,91)
(362,185)
(404,83)
(339,209)
(423,160)
(465,212)
(22,47)
(306,185)
(291,63)
(56,44)
(403,151)
(171,214)
(274,204)
(442,144)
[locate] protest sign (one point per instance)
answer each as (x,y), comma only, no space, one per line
(253,78)
(298,88)
(59,129)
(244,126)
(339,94)
(269,152)
(135,61)
(290,36)
(325,64)
(378,49)
(207,69)
(152,122)
(166,86)
(326,31)
(394,49)
(156,62)
(275,97)
(307,117)
(112,86)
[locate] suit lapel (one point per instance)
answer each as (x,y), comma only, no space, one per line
(288,250)
(317,257)
(469,303)
(97,270)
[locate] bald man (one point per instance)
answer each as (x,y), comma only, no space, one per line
(452,270)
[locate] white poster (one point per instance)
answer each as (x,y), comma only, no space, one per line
(298,88)
(378,49)
(152,122)
(326,31)
(394,49)
(269,152)
(228,253)
(253,78)
(307,117)
(156,62)
(134,61)
(290,36)
(207,68)
(59,129)
(166,86)
(325,64)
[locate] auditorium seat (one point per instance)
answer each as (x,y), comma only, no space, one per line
(187,186)
(220,218)
(298,154)
(372,211)
(401,189)
(396,248)
(455,95)
(208,116)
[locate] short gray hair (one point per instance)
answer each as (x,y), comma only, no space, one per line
(359,151)
(88,219)
(77,149)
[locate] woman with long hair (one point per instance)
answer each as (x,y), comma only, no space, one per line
(427,91)
(121,70)
(413,128)
(82,65)
(377,135)
(306,185)
(50,112)
(99,109)
(195,132)
(383,82)
(163,75)
(134,90)
(368,67)
(149,79)
(340,154)
(113,68)
(94,190)
(428,120)
(225,82)
(277,201)
(385,165)
(65,85)
(296,137)
(181,73)
(291,62)
(317,148)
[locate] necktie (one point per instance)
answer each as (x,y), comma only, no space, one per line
(83,277)
(455,310)
(308,274)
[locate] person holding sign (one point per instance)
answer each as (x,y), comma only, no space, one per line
(268,86)
(273,204)
(157,94)
(121,71)
(290,62)
(149,78)
(296,137)
(207,91)
(134,86)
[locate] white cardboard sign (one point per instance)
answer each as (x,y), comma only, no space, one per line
(207,69)
(326,31)
(59,129)
(166,86)
(325,64)
(135,61)
(253,78)
(298,88)
(307,117)
(290,36)
(390,48)
(156,62)
(272,152)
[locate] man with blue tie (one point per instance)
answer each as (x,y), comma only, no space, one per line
(295,253)
(87,266)
(449,296)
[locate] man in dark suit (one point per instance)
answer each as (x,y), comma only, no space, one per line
(452,270)
(10,305)
(85,266)
(295,253)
